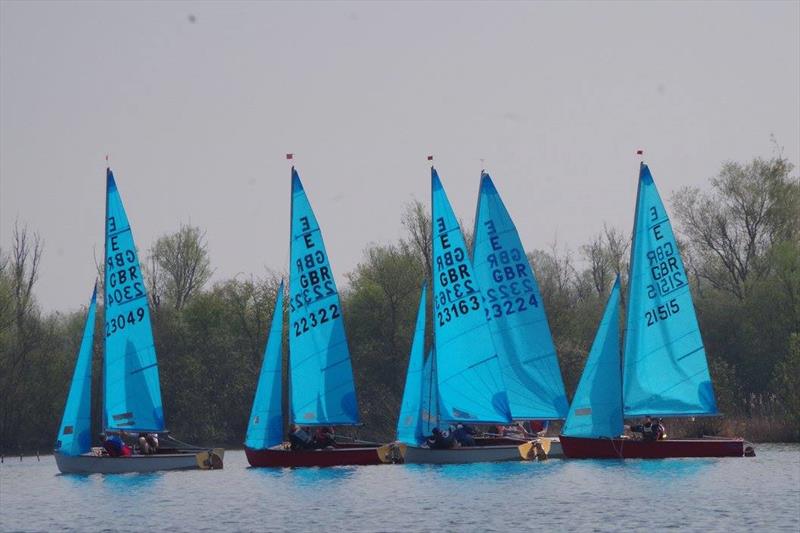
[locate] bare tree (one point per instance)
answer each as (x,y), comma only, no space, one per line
(179,266)
(19,271)
(606,254)
(417,222)
(26,254)
(731,229)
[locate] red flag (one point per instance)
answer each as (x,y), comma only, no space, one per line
(640,152)
(289,156)
(430,158)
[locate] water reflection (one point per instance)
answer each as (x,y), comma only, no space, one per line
(150,480)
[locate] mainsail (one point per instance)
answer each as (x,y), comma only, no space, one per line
(265,428)
(322,391)
(665,366)
(409,424)
(596,409)
(132,391)
(516,315)
(74,434)
(470,381)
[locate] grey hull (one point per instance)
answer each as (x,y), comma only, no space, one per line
(472,454)
(95,464)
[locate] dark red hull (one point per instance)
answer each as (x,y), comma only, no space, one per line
(340,456)
(590,448)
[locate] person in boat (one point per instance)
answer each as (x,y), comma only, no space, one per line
(148,443)
(324,437)
(648,429)
(539,427)
(440,440)
(661,431)
(299,439)
(463,435)
(115,446)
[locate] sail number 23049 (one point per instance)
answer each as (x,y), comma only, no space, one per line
(122,320)
(662,312)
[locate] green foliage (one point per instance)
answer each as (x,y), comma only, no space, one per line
(741,242)
(786,384)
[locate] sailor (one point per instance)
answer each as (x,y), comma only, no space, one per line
(648,429)
(463,435)
(115,446)
(324,437)
(661,431)
(148,443)
(299,439)
(440,440)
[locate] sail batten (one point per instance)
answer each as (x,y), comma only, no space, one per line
(517,318)
(265,427)
(465,355)
(74,435)
(132,391)
(665,370)
(322,390)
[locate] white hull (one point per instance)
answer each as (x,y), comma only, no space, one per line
(554,451)
(90,463)
(465,454)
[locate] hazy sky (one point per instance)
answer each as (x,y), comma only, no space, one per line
(198,102)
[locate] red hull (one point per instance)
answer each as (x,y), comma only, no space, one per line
(589,448)
(280,457)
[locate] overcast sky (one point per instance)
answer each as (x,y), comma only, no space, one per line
(197,104)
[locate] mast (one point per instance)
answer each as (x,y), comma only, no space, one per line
(104,419)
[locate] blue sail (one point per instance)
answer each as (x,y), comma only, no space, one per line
(409,423)
(322,388)
(132,391)
(74,434)
(429,405)
(265,428)
(516,315)
(470,381)
(665,366)
(596,409)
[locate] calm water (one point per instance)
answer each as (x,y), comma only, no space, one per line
(698,494)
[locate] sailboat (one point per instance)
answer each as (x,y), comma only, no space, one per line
(517,318)
(464,383)
(321,387)
(664,371)
(132,391)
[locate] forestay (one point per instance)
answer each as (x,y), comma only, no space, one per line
(132,390)
(265,428)
(665,367)
(516,315)
(596,409)
(322,390)
(74,434)
(470,381)
(409,423)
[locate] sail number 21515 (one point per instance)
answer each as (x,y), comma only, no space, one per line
(662,312)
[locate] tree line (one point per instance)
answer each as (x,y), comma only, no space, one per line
(740,240)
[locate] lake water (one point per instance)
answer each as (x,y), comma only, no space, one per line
(697,494)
